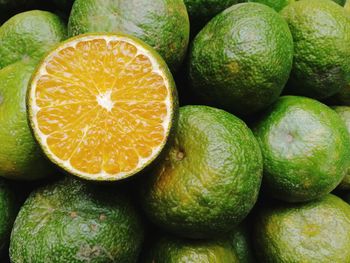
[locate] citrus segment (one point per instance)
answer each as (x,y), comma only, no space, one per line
(101,106)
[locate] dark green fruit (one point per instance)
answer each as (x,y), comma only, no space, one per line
(242,58)
(321,33)
(72,221)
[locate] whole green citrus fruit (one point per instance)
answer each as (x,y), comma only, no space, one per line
(29,35)
(72,221)
(306,149)
(321,33)
(210,178)
(318,231)
(242,58)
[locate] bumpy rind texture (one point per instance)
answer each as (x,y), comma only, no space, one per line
(321,33)
(278,5)
(72,221)
(164,25)
(201,11)
(210,178)
(344,113)
(242,59)
(242,244)
(20,156)
(306,149)
(29,35)
(8,211)
(24,39)
(174,250)
(314,232)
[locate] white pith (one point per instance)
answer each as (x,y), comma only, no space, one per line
(104,100)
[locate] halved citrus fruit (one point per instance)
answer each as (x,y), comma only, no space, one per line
(102,106)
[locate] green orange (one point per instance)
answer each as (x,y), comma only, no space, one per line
(209,179)
(72,221)
(317,231)
(321,33)
(241,60)
(306,149)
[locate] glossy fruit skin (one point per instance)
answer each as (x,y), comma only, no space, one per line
(344,113)
(321,33)
(8,210)
(73,221)
(20,156)
(175,250)
(278,5)
(29,35)
(318,231)
(164,25)
(306,149)
(241,243)
(24,39)
(242,58)
(202,11)
(210,178)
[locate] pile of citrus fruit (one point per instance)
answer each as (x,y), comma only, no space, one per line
(175,131)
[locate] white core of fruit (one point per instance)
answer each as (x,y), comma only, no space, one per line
(105,100)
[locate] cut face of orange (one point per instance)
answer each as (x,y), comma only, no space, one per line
(102,106)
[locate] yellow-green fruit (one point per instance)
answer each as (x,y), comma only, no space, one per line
(278,5)
(347,5)
(175,250)
(321,33)
(313,232)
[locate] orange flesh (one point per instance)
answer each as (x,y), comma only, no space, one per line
(101,106)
